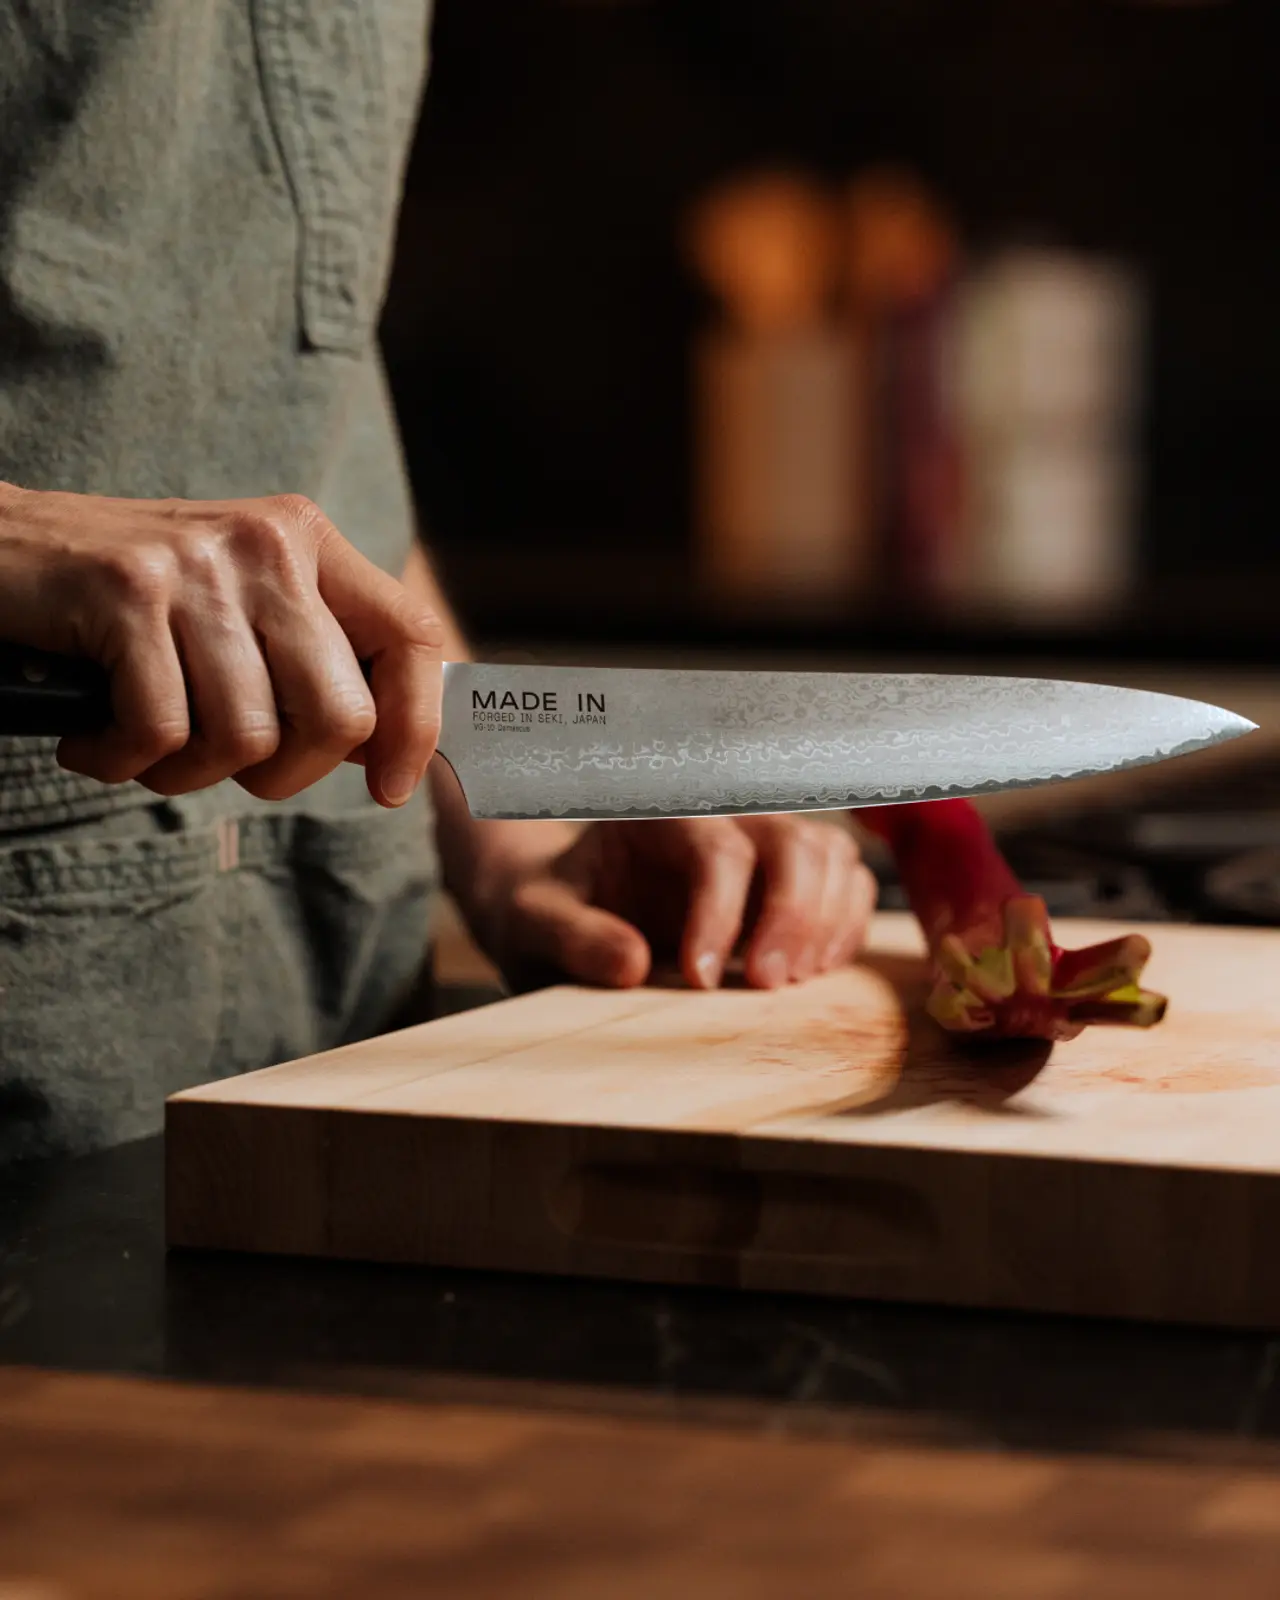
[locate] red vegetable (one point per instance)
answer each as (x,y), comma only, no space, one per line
(996,968)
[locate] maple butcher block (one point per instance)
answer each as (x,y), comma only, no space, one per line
(822,1139)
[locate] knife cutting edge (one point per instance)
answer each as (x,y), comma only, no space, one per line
(590,743)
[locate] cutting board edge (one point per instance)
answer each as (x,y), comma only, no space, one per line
(720,1210)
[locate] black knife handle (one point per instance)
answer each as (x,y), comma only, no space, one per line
(48,696)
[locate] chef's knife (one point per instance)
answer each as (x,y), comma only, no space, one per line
(592,742)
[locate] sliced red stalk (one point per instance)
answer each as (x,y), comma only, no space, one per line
(996,968)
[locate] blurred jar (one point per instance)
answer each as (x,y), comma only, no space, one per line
(1047,358)
(774,405)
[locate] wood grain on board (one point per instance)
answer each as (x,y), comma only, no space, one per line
(825,1138)
(114,1487)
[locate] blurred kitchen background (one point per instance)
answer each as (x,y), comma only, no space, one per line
(928,334)
(889,325)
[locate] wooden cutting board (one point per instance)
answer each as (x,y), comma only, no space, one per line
(824,1139)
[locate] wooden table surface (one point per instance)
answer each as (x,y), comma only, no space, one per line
(113,1488)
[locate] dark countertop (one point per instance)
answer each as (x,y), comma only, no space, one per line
(85,1284)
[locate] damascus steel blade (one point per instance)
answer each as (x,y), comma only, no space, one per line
(586,743)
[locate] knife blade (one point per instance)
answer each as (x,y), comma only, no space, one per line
(592,743)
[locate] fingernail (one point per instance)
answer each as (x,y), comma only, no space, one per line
(773,969)
(707,967)
(398,786)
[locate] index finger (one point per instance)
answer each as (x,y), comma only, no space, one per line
(722,864)
(402,642)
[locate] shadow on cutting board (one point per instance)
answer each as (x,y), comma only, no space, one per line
(898,1057)
(937,1068)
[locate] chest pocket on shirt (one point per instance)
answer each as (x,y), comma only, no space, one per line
(341,128)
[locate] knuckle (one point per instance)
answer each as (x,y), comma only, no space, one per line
(349,720)
(202,556)
(139,575)
(417,624)
(296,523)
(830,849)
(267,548)
(788,917)
(811,841)
(849,848)
(248,742)
(796,849)
(151,744)
(265,541)
(294,511)
(730,845)
(831,858)
(163,737)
